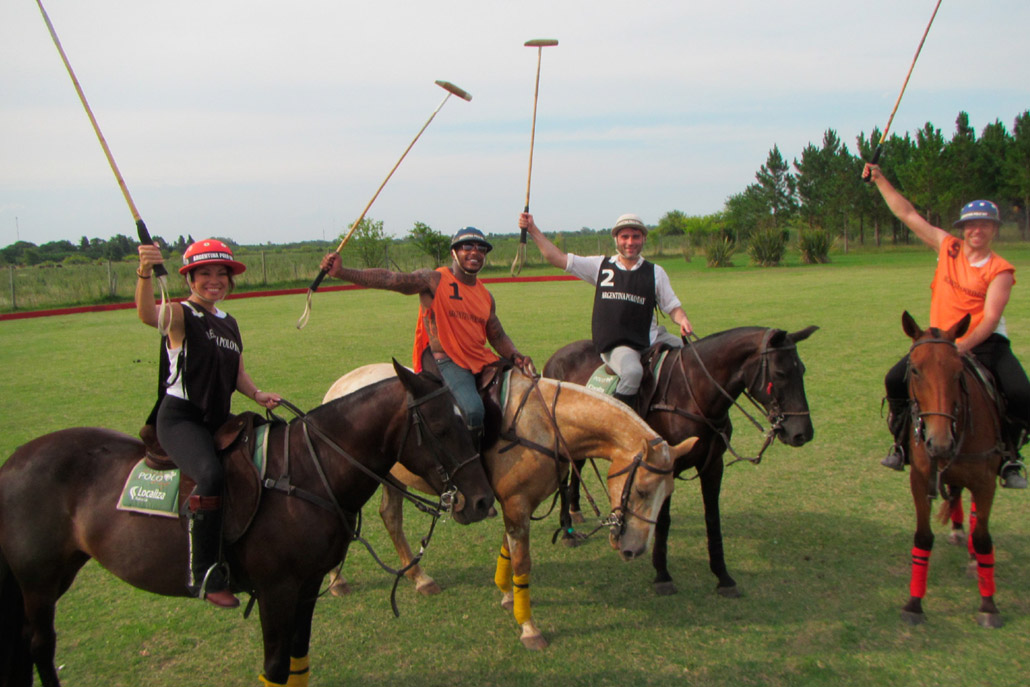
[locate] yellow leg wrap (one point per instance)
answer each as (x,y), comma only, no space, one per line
(502,576)
(522,612)
(268,683)
(299,671)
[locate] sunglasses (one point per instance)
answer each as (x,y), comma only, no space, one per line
(470,246)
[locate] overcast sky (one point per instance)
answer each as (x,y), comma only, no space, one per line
(277,121)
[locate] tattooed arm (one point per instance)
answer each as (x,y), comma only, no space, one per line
(419,281)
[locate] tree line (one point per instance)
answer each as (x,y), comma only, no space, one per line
(818,196)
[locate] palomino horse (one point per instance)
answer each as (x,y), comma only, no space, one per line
(954,443)
(691,396)
(542,424)
(57,510)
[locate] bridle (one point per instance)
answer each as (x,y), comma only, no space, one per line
(446,466)
(615,520)
(761,384)
(918,415)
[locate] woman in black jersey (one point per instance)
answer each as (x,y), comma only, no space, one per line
(201,366)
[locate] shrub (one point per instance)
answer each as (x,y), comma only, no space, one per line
(767,246)
(719,250)
(814,245)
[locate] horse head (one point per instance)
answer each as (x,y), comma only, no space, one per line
(639,486)
(777,383)
(935,385)
(444,452)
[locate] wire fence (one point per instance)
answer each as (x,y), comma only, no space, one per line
(62,285)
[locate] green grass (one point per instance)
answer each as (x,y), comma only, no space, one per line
(818,538)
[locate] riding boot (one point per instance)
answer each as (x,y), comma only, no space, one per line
(1013,472)
(898,420)
(208,578)
(628,399)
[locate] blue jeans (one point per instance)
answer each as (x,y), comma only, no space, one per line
(462,384)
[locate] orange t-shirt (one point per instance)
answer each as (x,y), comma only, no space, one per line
(457,319)
(959,287)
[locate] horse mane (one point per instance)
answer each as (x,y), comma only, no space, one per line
(611,402)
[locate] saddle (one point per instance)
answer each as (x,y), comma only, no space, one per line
(235,443)
(604,379)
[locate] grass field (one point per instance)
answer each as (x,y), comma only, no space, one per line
(818,538)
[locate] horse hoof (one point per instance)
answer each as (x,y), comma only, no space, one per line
(428,588)
(732,592)
(571,541)
(913,618)
(508,604)
(972,570)
(957,538)
(665,588)
(534,642)
(991,621)
(577,517)
(339,588)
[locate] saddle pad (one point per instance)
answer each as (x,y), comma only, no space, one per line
(604,381)
(156,492)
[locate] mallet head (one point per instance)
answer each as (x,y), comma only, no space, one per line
(451,88)
(541,43)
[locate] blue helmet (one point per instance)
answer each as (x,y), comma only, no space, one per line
(470,234)
(979,209)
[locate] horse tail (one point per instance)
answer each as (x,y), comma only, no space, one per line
(15,659)
(944,512)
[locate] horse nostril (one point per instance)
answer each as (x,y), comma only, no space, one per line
(485,504)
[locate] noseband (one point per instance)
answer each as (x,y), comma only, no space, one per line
(615,520)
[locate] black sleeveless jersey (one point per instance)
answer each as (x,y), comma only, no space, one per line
(209,363)
(624,304)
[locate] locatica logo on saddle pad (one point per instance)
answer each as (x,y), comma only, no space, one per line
(151,491)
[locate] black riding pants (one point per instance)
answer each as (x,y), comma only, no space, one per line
(994,353)
(190,444)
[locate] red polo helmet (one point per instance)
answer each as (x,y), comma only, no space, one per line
(210,252)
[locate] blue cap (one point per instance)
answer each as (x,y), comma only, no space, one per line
(471,234)
(979,209)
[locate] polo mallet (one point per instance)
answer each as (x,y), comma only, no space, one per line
(539,44)
(141,227)
(451,90)
(886,130)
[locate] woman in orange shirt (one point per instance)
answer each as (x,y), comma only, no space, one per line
(970,279)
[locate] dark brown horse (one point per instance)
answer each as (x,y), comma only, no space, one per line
(691,396)
(57,510)
(954,442)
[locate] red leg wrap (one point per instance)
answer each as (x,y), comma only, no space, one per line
(972,527)
(985,573)
(920,566)
(958,515)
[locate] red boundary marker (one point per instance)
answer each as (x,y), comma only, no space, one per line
(250,294)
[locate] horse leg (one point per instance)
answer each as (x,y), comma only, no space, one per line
(391,510)
(573,493)
(40,608)
(278,605)
(300,663)
(957,516)
(517,534)
(983,546)
(912,612)
(711,486)
(663,584)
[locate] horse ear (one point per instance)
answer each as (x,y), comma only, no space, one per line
(409,379)
(960,327)
(908,323)
(803,334)
(683,448)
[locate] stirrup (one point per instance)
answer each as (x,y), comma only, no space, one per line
(220,597)
(895,460)
(1016,477)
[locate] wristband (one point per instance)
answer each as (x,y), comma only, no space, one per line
(140,274)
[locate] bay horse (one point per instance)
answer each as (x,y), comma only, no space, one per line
(58,496)
(531,433)
(691,396)
(954,442)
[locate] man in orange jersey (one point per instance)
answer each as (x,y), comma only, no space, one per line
(456,319)
(970,279)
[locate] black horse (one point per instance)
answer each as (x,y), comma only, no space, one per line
(691,396)
(58,496)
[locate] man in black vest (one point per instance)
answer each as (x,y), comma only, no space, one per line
(629,289)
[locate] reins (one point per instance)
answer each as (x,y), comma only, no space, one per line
(434,509)
(774,414)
